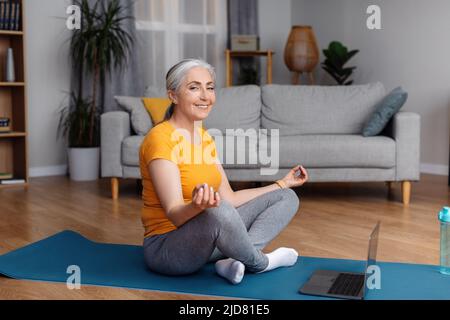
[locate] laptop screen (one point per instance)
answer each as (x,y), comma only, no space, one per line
(373,246)
(372,252)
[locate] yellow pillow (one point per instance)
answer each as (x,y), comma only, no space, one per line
(157,108)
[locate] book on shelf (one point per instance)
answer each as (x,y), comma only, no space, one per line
(9,15)
(12,181)
(6,175)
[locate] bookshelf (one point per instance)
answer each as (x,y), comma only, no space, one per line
(13,103)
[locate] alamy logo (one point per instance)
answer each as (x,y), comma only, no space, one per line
(374,20)
(374,280)
(74,280)
(234,146)
(74,20)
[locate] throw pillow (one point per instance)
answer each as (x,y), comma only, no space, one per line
(140,120)
(157,108)
(384,111)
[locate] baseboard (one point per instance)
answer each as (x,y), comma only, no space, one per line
(48,171)
(62,170)
(430,168)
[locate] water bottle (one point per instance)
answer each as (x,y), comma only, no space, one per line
(444,218)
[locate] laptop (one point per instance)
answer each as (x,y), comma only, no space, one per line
(341,284)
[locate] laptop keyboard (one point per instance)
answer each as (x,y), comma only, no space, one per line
(347,284)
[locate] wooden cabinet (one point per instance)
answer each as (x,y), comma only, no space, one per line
(13,105)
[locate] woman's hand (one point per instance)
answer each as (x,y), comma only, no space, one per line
(204,197)
(296,177)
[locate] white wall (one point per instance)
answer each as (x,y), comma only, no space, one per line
(274,27)
(48,78)
(411,50)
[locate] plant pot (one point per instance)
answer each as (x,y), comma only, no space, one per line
(84,163)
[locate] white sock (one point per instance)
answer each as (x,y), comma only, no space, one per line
(231,269)
(281,257)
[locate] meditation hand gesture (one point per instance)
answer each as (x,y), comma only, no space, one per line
(204,197)
(296,177)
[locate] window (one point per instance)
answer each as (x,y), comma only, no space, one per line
(171,30)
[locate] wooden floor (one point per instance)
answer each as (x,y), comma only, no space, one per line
(334,220)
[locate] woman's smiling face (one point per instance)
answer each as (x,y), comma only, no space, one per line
(196,95)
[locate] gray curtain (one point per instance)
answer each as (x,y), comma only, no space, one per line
(242,19)
(127,81)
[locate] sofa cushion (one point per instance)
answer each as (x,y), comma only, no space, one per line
(384,111)
(130,150)
(139,117)
(298,110)
(233,151)
(315,151)
(236,107)
(335,151)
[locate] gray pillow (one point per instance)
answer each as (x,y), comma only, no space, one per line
(384,111)
(139,117)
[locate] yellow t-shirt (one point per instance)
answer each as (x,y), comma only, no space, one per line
(197,164)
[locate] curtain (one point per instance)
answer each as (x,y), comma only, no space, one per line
(243,19)
(172,30)
(127,81)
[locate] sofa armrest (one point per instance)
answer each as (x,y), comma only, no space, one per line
(405,130)
(115,126)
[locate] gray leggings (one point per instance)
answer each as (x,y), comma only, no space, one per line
(216,233)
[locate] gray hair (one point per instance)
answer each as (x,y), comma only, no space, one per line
(176,74)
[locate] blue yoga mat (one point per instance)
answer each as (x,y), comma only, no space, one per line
(119,265)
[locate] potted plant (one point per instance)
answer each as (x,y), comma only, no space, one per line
(100,45)
(337,55)
(83,151)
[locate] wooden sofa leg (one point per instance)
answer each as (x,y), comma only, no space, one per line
(115,188)
(406,192)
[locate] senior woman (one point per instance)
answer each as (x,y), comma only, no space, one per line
(191,215)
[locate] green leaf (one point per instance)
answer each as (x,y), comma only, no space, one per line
(350,55)
(338,49)
(348,83)
(332,74)
(337,56)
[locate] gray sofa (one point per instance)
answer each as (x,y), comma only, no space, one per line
(262,132)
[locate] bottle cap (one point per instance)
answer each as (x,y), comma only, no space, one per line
(444,214)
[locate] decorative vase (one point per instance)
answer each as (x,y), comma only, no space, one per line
(10,74)
(301,53)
